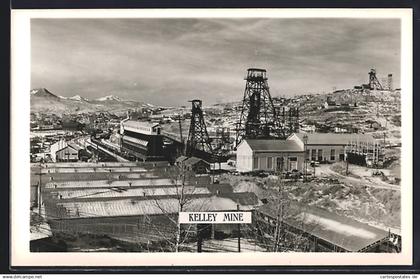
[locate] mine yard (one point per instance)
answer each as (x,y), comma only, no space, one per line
(316,172)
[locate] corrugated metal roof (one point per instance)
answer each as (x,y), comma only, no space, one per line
(181,159)
(127,192)
(342,231)
(273,145)
(149,182)
(67,147)
(139,124)
(130,207)
(134,140)
(193,160)
(335,139)
(243,198)
(75,146)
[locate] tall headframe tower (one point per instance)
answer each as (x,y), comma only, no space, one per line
(198,142)
(258,118)
(373,81)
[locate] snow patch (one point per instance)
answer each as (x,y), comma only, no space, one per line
(109,98)
(77,98)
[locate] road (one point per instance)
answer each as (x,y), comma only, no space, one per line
(325,170)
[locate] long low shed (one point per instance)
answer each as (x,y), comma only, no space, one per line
(334,232)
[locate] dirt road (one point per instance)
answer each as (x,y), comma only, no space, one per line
(326,171)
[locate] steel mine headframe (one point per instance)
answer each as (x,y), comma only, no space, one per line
(198,138)
(259,118)
(373,81)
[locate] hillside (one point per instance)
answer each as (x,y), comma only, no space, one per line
(44,101)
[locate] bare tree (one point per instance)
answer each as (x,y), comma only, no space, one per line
(275,229)
(185,183)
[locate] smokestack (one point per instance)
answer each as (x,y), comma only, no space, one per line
(390,85)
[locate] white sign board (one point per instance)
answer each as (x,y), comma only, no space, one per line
(223,217)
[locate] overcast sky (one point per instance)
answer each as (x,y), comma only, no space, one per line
(171,61)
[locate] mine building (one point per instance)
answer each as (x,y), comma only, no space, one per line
(329,147)
(131,201)
(327,231)
(142,139)
(269,155)
(60,144)
(194,164)
(70,153)
(289,154)
(197,165)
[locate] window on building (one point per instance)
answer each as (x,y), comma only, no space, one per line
(332,157)
(293,163)
(313,155)
(255,163)
(319,155)
(279,164)
(269,163)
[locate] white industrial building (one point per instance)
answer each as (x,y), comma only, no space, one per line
(328,147)
(269,155)
(289,154)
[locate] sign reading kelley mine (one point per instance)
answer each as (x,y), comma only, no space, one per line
(223,217)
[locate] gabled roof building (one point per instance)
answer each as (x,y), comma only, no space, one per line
(269,155)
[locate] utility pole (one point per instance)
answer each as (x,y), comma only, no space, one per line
(347,166)
(279,221)
(305,141)
(39,200)
(180,127)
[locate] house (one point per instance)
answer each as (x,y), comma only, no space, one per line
(69,153)
(329,103)
(197,165)
(180,160)
(269,155)
(57,146)
(327,147)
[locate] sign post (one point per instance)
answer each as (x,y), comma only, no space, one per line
(239,234)
(215,217)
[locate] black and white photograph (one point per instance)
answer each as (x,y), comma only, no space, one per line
(224,133)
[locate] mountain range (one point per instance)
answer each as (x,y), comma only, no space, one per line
(44,101)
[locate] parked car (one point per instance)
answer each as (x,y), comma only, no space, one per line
(314,163)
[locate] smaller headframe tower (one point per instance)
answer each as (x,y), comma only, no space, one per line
(198,138)
(292,120)
(373,81)
(258,116)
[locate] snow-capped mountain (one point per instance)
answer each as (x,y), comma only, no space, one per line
(75,98)
(78,98)
(43,100)
(110,98)
(42,92)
